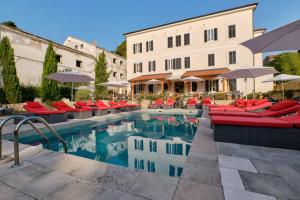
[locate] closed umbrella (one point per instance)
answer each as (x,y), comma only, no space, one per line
(280,39)
(192,79)
(281,78)
(113,84)
(249,72)
(70,77)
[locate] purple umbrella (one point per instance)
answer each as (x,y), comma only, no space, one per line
(70,77)
(284,38)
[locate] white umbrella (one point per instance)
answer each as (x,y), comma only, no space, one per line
(113,84)
(281,78)
(154,82)
(125,82)
(249,72)
(192,79)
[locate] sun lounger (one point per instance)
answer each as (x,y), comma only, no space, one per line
(110,109)
(119,106)
(279,109)
(158,103)
(283,132)
(191,103)
(51,116)
(132,106)
(169,104)
(73,113)
(96,111)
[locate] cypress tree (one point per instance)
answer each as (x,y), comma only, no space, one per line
(50,89)
(101,75)
(122,49)
(11,84)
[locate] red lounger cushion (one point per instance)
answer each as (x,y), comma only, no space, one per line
(251,121)
(37,108)
(294,119)
(283,104)
(60,105)
(234,114)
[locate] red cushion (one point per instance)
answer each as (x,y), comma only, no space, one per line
(283,104)
(251,121)
(34,104)
(259,102)
(233,109)
(236,114)
(81,103)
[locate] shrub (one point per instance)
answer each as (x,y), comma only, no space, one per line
(29,93)
(220,96)
(82,94)
(2,96)
(65,92)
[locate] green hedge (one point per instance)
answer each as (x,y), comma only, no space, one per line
(29,93)
(2,96)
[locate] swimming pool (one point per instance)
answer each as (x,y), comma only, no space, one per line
(149,142)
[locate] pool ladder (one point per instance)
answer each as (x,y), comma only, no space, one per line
(23,121)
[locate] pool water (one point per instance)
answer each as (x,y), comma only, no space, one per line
(153,143)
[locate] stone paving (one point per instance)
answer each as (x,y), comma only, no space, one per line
(212,171)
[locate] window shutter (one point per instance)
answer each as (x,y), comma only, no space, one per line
(154,67)
(134,51)
(141,47)
(216,34)
(134,70)
(147,46)
(166,65)
(151,45)
(205,35)
(149,66)
(141,67)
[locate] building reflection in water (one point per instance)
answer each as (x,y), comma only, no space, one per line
(154,143)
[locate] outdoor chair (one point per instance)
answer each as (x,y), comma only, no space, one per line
(169,104)
(191,103)
(157,104)
(51,116)
(73,113)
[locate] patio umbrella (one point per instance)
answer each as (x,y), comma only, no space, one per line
(192,79)
(281,78)
(125,82)
(249,72)
(70,77)
(113,84)
(153,82)
(280,39)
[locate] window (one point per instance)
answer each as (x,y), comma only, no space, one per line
(186,39)
(232,57)
(149,45)
(114,60)
(174,63)
(211,59)
(78,63)
(81,46)
(76,46)
(231,31)
(187,62)
(210,35)
(212,86)
(114,74)
(151,166)
(172,170)
(121,62)
(138,144)
(137,48)
(188,147)
(170,42)
(137,67)
(58,58)
(194,86)
(151,66)
(138,164)
(121,76)
(152,146)
(178,40)
(175,149)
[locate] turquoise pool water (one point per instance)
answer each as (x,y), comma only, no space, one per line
(154,143)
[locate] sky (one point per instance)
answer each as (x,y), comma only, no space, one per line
(107,21)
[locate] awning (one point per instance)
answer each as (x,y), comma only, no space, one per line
(207,73)
(142,78)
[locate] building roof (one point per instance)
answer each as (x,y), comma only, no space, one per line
(206,73)
(41,39)
(196,17)
(162,76)
(260,29)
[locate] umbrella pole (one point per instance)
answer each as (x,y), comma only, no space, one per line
(246,89)
(282,88)
(253,97)
(72,92)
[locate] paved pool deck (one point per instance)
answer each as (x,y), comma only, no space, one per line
(212,171)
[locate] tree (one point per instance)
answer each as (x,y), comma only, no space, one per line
(101,75)
(11,84)
(122,49)
(10,24)
(287,63)
(50,89)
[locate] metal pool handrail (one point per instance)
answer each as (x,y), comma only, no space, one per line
(16,138)
(29,122)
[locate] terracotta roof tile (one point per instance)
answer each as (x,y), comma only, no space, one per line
(206,74)
(151,76)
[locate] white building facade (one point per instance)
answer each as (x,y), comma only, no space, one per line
(30,52)
(203,46)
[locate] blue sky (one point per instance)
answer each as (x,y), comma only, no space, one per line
(106,21)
